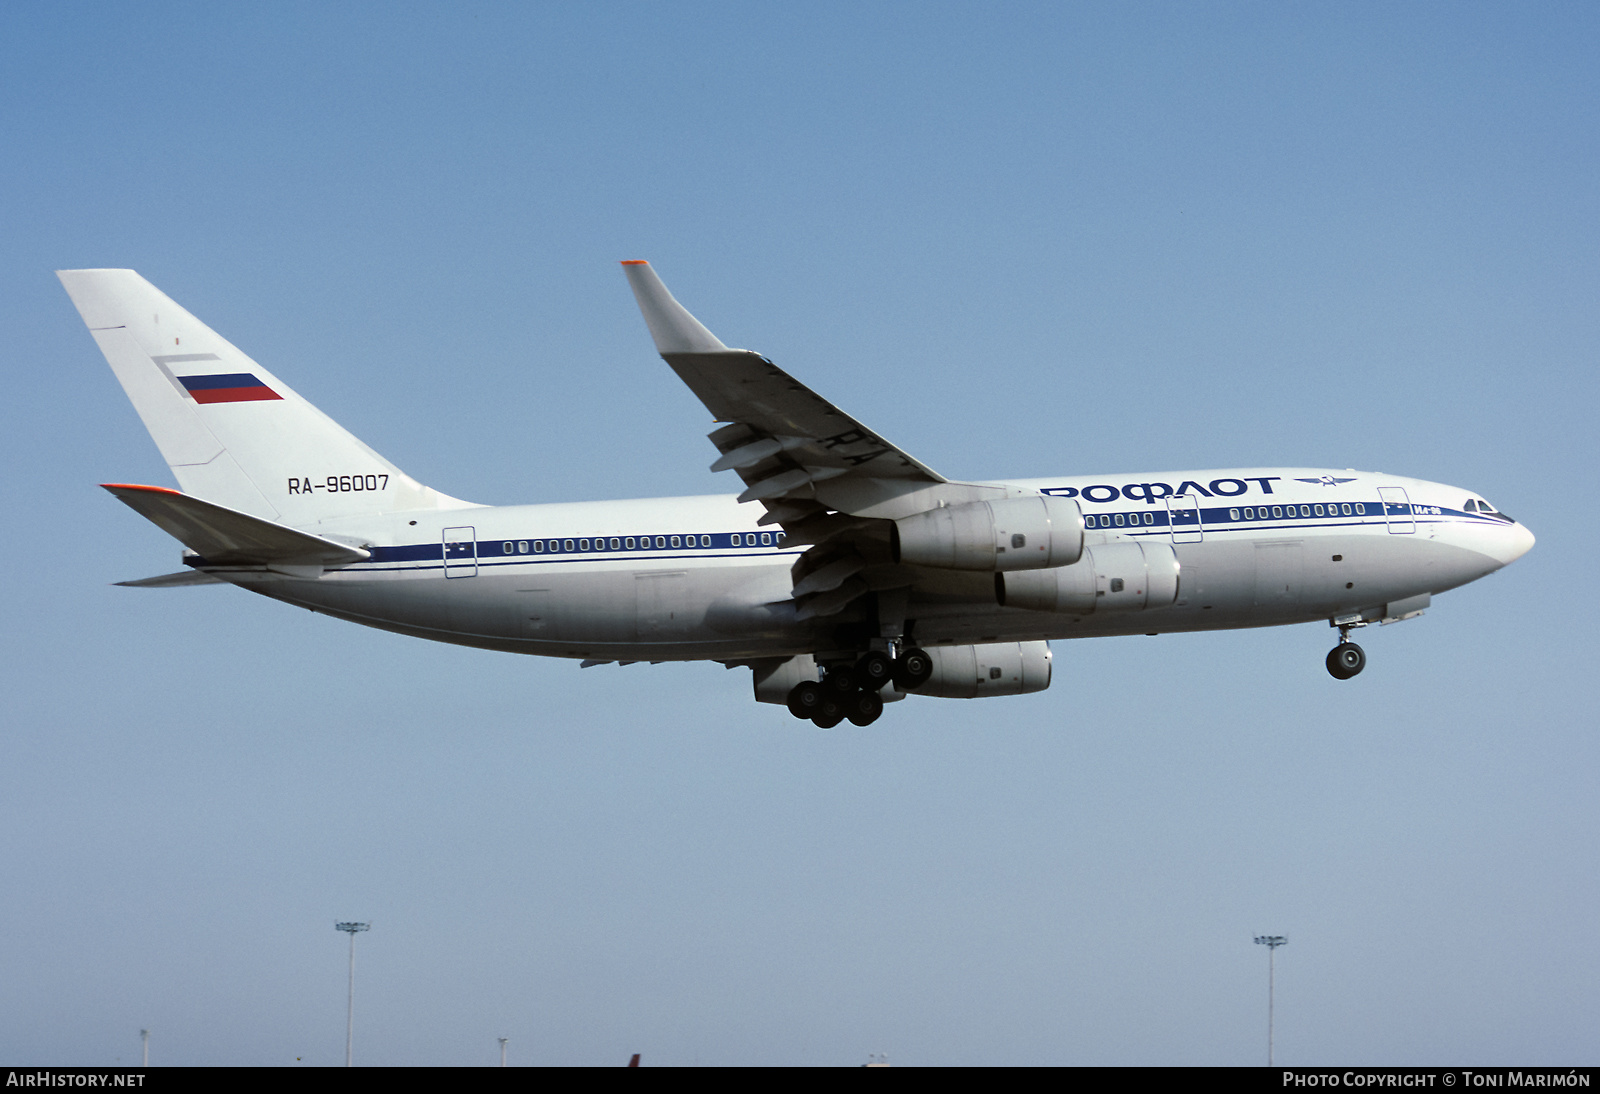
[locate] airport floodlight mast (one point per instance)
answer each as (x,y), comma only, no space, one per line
(350,1015)
(1271,942)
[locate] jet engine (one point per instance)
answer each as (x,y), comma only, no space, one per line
(1010,534)
(994,668)
(1112,577)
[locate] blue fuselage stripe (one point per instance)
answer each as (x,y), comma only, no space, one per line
(453,554)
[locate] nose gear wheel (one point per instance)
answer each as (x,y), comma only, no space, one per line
(1346,660)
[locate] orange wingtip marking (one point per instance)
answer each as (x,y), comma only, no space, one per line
(634,262)
(137,486)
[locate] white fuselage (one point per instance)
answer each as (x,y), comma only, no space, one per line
(697,578)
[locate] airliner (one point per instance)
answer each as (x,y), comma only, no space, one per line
(845,574)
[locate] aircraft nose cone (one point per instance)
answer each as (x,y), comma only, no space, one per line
(1511,543)
(1519,541)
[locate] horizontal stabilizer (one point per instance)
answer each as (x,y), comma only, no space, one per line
(173,581)
(223,536)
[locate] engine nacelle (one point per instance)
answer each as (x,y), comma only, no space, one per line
(994,668)
(1113,577)
(1011,534)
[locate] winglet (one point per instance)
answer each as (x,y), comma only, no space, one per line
(671,325)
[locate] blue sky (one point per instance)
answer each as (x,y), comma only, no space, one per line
(1016,239)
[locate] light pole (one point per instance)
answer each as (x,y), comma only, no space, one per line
(350,1017)
(144,1036)
(1271,942)
(503,1041)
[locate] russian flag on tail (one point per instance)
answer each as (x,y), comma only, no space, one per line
(233,387)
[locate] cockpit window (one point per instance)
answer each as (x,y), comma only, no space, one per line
(1478,505)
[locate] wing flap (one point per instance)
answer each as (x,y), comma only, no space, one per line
(745,387)
(223,536)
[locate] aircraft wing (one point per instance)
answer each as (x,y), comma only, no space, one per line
(796,452)
(224,536)
(824,477)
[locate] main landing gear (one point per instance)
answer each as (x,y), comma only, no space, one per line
(850,690)
(1346,659)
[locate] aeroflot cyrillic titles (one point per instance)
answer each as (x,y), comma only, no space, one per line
(845,574)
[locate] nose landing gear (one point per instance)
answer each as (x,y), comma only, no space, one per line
(1346,659)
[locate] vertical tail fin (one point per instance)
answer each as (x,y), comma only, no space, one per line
(231,431)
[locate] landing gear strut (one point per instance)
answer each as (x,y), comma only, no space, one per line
(1346,659)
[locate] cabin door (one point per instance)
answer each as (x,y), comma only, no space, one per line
(461,552)
(1183,517)
(1397,510)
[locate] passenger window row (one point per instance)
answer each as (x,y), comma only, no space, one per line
(1214,516)
(638,543)
(1260,512)
(1119,520)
